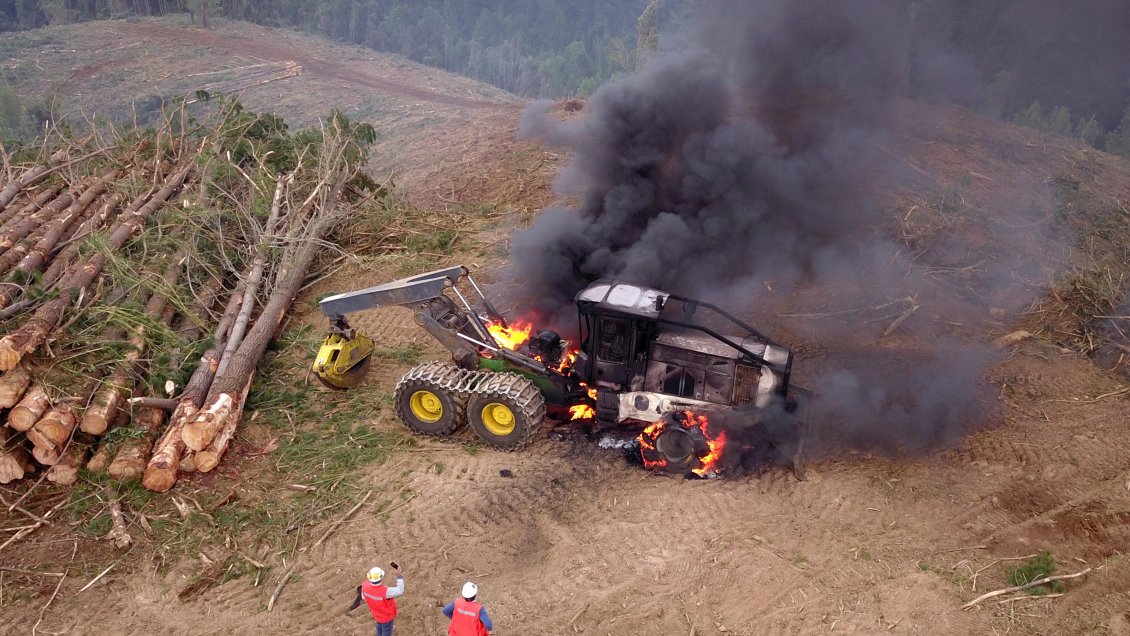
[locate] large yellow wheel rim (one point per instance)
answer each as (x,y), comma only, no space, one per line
(426,406)
(498,419)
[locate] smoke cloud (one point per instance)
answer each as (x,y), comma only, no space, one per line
(743,167)
(1001,56)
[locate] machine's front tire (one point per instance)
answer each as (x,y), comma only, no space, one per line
(425,406)
(507,411)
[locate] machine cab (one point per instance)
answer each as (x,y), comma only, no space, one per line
(637,341)
(618,323)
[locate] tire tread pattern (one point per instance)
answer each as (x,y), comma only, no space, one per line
(437,378)
(463,386)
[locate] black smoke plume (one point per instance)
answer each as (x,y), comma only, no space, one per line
(740,168)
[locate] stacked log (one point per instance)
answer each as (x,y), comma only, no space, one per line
(65,471)
(41,233)
(29,178)
(28,410)
(161,472)
(31,335)
(129,462)
(65,258)
(71,251)
(15,231)
(12,386)
(106,402)
(33,259)
(15,462)
(52,433)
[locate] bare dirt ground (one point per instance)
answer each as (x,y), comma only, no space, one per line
(580,541)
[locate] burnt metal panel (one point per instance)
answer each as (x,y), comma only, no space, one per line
(745,385)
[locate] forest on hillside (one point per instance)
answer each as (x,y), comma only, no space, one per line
(1047,64)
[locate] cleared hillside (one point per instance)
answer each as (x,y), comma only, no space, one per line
(430,122)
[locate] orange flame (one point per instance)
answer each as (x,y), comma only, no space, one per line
(581,412)
(513,336)
(518,333)
(647,443)
(567,361)
(709,461)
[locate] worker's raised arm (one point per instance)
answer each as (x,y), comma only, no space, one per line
(396,591)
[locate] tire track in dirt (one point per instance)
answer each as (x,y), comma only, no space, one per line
(469,516)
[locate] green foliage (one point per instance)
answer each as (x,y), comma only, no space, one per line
(21,122)
(1059,122)
(324,455)
(438,241)
(1118,141)
(1089,131)
(647,32)
(1038,567)
(1032,117)
(12,121)
(246,135)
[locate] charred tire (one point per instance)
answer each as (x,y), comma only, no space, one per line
(681,447)
(425,405)
(506,411)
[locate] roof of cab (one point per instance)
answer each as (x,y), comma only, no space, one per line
(624,298)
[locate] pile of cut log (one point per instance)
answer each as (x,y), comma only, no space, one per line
(82,250)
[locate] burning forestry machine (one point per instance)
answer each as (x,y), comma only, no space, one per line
(641,362)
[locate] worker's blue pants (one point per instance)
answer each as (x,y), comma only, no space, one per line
(385,629)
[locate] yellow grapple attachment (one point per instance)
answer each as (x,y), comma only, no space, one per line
(343,362)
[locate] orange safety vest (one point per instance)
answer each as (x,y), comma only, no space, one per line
(376,597)
(465,620)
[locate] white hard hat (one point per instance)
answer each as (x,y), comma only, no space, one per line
(470,590)
(376,574)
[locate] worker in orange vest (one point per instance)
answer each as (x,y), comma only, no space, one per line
(379,597)
(468,618)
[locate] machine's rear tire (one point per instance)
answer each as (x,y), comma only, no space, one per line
(681,447)
(425,406)
(507,411)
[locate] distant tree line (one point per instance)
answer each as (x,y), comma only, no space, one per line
(1086,129)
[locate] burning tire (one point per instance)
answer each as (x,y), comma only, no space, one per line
(506,411)
(680,442)
(681,447)
(677,448)
(425,405)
